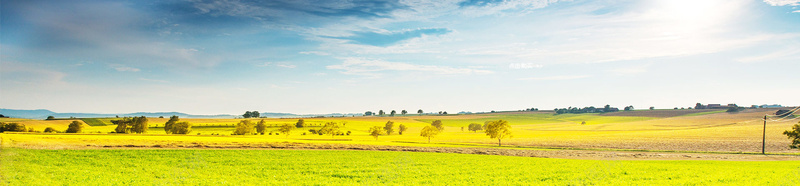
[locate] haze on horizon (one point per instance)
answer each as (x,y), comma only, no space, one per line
(303,56)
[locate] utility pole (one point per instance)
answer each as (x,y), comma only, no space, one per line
(764,135)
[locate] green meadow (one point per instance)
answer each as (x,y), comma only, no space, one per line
(331,167)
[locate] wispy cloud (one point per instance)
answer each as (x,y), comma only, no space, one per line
(783,2)
(359,66)
(123,68)
(278,64)
(389,38)
(555,78)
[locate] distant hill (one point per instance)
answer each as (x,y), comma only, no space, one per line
(42,114)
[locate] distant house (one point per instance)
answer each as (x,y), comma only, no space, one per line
(714,106)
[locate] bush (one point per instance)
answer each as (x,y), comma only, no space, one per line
(75,127)
(49,130)
(181,128)
(348,132)
(244,127)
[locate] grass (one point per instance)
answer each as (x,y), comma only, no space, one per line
(94,122)
(323,167)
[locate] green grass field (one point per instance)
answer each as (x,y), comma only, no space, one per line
(327,167)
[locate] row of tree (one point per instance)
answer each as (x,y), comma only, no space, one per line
(392,113)
(74,127)
(590,109)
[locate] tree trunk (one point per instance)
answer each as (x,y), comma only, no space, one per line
(498,142)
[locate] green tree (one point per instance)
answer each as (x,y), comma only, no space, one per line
(419,111)
(50,118)
(475,127)
(261,126)
(244,127)
(392,113)
(375,131)
(123,125)
(247,114)
(794,134)
(74,127)
(429,132)
(12,127)
(403,112)
(300,123)
(438,125)
(330,128)
(389,127)
(498,129)
(181,128)
(402,128)
(380,112)
(286,129)
(139,125)
(168,126)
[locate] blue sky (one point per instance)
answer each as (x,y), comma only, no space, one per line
(304,56)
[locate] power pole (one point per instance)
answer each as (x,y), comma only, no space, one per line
(764,135)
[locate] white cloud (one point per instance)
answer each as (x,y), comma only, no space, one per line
(524,66)
(286,66)
(555,78)
(122,68)
(278,64)
(796,11)
(359,66)
(783,2)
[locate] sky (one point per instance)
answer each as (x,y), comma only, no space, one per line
(327,56)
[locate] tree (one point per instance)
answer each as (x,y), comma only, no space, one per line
(629,108)
(392,113)
(300,123)
(244,127)
(429,132)
(380,112)
(445,112)
(375,131)
(12,127)
(330,128)
(251,114)
(475,127)
(74,127)
(261,126)
(419,111)
(49,130)
(607,108)
(50,118)
(498,129)
(368,113)
(389,127)
(794,134)
(247,114)
(652,108)
(139,125)
(402,128)
(168,126)
(181,128)
(438,125)
(403,112)
(286,129)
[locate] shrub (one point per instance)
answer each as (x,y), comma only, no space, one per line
(244,127)
(348,132)
(181,128)
(74,127)
(49,130)
(261,126)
